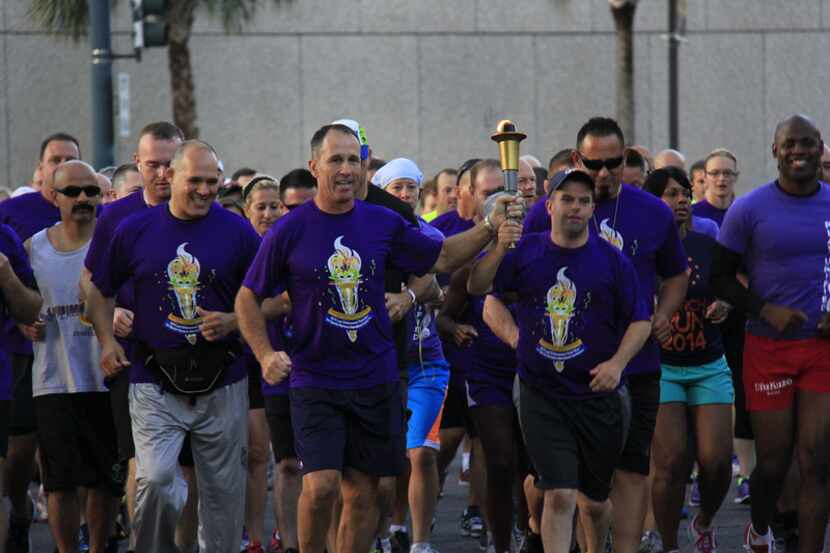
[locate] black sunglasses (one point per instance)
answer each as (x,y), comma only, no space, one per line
(75,191)
(597,164)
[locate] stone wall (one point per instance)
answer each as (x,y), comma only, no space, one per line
(429,79)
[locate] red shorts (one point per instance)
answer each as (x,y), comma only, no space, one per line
(773,369)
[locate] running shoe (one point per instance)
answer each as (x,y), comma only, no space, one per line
(275,545)
(472,524)
(83,539)
(694,495)
(650,542)
(400,541)
(254,547)
(704,541)
(532,543)
(17,540)
(382,545)
(422,548)
(758,544)
(742,491)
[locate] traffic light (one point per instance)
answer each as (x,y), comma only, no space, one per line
(149,23)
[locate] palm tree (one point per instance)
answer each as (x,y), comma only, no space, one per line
(623,13)
(71,18)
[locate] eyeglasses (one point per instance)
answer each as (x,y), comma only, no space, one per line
(728,173)
(91,190)
(596,165)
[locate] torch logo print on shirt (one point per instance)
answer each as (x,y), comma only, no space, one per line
(183,278)
(344,274)
(560,302)
(610,235)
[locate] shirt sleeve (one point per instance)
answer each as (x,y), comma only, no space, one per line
(269,268)
(507,275)
(19,261)
(671,256)
(736,230)
(412,251)
(112,270)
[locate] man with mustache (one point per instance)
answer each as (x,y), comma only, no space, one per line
(72,407)
(27,214)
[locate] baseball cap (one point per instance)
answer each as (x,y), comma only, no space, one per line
(359,132)
(567,175)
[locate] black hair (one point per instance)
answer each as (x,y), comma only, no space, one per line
(320,135)
(599,126)
(58,137)
(162,130)
(243,172)
(541,176)
(297,178)
(698,165)
(466,166)
(559,158)
(657,181)
(633,158)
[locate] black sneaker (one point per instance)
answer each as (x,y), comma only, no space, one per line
(17,540)
(400,541)
(532,543)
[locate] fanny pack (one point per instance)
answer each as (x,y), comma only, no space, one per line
(191,370)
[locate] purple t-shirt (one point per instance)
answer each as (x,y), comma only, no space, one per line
(109,219)
(492,361)
(177,265)
(12,248)
(643,228)
(26,214)
(705,209)
(333,268)
(785,244)
(424,343)
(450,224)
(575,305)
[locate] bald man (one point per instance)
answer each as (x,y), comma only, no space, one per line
(186,262)
(786,369)
(670,158)
(75,430)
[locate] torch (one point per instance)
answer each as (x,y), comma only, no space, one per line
(508,138)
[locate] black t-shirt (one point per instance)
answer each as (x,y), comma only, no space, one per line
(394,277)
(695,340)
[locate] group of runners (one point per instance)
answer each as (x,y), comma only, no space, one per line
(620,325)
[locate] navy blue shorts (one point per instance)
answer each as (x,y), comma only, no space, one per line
(359,429)
(490,390)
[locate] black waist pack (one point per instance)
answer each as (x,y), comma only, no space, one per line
(191,371)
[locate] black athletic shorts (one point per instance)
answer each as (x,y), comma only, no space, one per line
(644,392)
(278,414)
(456,413)
(22,414)
(119,386)
(255,398)
(574,443)
(360,429)
(78,443)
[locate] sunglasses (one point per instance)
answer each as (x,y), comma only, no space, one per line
(75,191)
(597,164)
